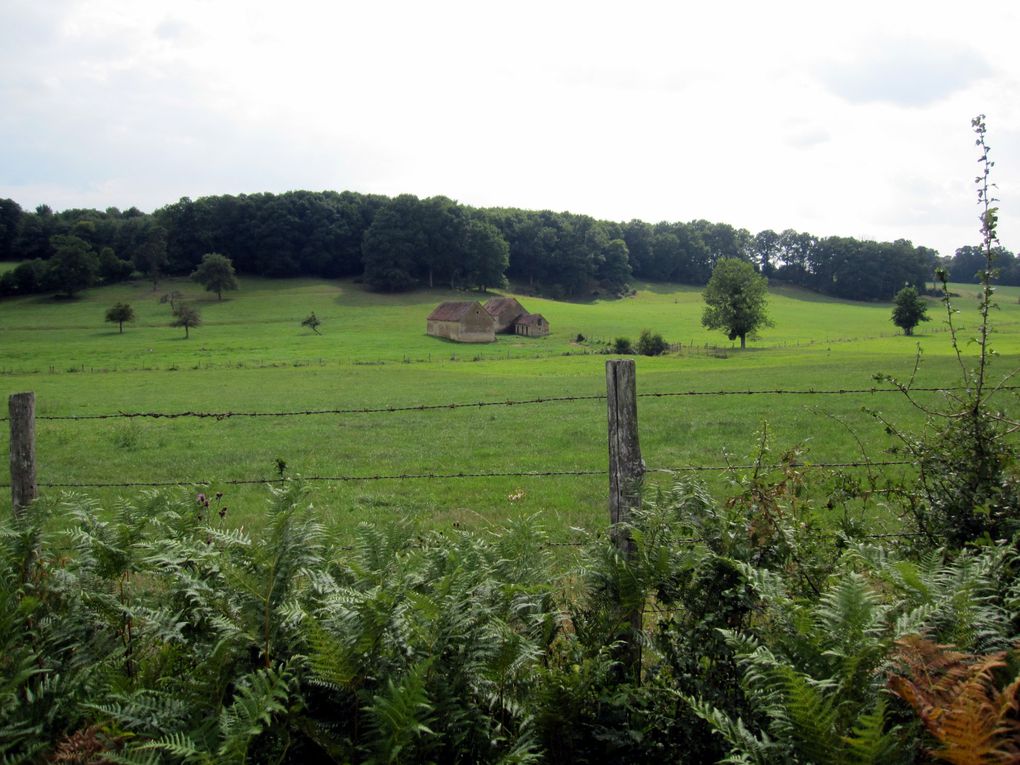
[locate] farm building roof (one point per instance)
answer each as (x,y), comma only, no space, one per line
(496,305)
(530,318)
(452,310)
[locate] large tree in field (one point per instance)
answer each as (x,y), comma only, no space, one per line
(735,300)
(216,274)
(909,310)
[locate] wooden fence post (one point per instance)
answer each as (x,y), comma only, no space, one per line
(21,407)
(626,469)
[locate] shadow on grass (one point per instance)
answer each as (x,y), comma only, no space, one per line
(792,292)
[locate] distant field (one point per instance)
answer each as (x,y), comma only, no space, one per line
(251,354)
(7,266)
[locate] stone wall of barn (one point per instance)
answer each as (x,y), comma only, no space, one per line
(471,329)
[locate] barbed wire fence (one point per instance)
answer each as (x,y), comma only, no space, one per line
(625,471)
(19,426)
(503,403)
(22,417)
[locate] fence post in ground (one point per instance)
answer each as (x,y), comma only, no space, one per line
(626,469)
(21,407)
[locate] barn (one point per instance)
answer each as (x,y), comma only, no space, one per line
(512,318)
(505,311)
(531,325)
(462,321)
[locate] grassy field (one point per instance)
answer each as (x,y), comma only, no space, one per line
(251,354)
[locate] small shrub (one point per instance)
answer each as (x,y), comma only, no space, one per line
(622,345)
(650,344)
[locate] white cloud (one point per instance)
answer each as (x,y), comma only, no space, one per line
(906,72)
(788,115)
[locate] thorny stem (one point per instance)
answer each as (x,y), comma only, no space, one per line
(988,219)
(942,277)
(989,222)
(762,449)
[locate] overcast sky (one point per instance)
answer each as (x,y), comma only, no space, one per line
(833,118)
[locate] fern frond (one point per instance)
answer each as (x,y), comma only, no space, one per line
(954,694)
(260,695)
(747,747)
(177,745)
(328,658)
(871,743)
(228,538)
(400,714)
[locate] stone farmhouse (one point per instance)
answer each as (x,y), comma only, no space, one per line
(463,321)
(472,322)
(513,319)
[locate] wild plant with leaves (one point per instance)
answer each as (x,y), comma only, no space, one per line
(155,632)
(815,672)
(968,485)
(430,644)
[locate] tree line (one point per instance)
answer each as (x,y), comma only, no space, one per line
(405,242)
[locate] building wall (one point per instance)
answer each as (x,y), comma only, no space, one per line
(442,329)
(532,330)
(473,328)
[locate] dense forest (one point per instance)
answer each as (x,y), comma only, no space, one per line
(404,242)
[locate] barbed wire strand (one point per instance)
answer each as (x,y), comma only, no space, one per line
(454,476)
(482,404)
(312,412)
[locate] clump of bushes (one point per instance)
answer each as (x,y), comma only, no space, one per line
(651,344)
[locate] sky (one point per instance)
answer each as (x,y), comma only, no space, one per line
(849,119)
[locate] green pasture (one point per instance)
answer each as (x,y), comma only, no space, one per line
(252,355)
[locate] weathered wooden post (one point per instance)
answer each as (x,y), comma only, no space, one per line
(626,469)
(21,407)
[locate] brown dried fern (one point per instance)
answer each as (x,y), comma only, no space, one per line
(955,695)
(86,746)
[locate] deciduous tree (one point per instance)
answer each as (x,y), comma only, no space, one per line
(151,257)
(216,274)
(119,313)
(736,300)
(173,297)
(186,316)
(111,268)
(909,310)
(312,322)
(486,255)
(615,271)
(74,265)
(391,245)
